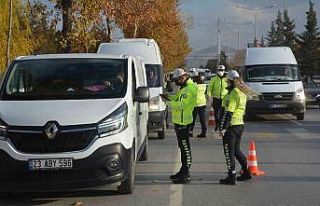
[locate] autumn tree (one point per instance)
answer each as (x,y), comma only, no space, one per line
(159,20)
(21,43)
(43,29)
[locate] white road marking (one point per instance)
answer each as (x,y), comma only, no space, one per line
(303,133)
(176,189)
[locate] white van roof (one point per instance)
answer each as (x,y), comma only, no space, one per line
(270,55)
(146,48)
(72,56)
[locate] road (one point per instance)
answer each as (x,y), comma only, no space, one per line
(287,150)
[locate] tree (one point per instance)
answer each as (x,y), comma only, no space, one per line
(21,43)
(43,31)
(262,44)
(309,44)
(212,64)
(280,37)
(289,33)
(159,20)
(272,36)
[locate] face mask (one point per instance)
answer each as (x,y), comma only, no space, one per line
(220,73)
(231,86)
(178,83)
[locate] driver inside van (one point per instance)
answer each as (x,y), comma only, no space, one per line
(114,85)
(152,79)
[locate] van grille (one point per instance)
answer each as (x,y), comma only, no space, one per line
(283,96)
(38,142)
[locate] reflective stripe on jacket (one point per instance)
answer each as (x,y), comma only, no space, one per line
(235,102)
(217,87)
(183,104)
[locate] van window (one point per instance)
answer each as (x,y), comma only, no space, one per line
(154,75)
(265,73)
(65,79)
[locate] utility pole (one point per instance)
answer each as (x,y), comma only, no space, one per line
(9,36)
(255,10)
(218,43)
(238,29)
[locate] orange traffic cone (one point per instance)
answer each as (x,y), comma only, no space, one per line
(252,160)
(211,121)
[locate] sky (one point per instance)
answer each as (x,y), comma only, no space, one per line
(205,14)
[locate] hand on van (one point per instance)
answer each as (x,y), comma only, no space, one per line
(165,97)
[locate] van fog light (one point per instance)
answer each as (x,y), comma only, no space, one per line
(113,165)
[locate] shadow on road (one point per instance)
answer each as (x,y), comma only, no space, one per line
(45,198)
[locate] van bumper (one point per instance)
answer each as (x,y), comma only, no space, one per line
(155,122)
(274,107)
(89,172)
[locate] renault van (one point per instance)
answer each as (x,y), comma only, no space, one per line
(72,121)
(274,73)
(149,50)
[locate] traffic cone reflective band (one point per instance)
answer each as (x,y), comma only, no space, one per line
(252,160)
(211,121)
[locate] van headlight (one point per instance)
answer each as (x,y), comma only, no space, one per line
(299,94)
(253,97)
(3,131)
(154,103)
(115,122)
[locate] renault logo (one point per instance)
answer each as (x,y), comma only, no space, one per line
(51,130)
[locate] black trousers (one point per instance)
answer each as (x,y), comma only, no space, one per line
(231,146)
(216,104)
(182,132)
(201,111)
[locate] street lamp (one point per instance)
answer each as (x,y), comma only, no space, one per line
(255,10)
(238,29)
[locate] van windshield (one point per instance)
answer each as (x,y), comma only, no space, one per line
(272,73)
(65,79)
(154,75)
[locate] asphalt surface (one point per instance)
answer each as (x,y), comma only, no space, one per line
(287,150)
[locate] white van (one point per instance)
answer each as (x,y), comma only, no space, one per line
(71,121)
(147,49)
(274,73)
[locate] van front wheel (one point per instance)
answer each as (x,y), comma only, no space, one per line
(161,134)
(300,116)
(145,153)
(127,186)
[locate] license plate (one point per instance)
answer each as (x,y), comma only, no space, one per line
(278,106)
(50,164)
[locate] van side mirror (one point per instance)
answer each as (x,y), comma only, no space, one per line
(169,87)
(142,95)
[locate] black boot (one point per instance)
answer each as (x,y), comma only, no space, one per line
(229,180)
(244,176)
(202,135)
(177,175)
(183,178)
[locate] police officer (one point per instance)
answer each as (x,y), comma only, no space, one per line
(200,108)
(217,89)
(231,128)
(182,104)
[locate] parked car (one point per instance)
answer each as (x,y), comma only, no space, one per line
(312,91)
(72,121)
